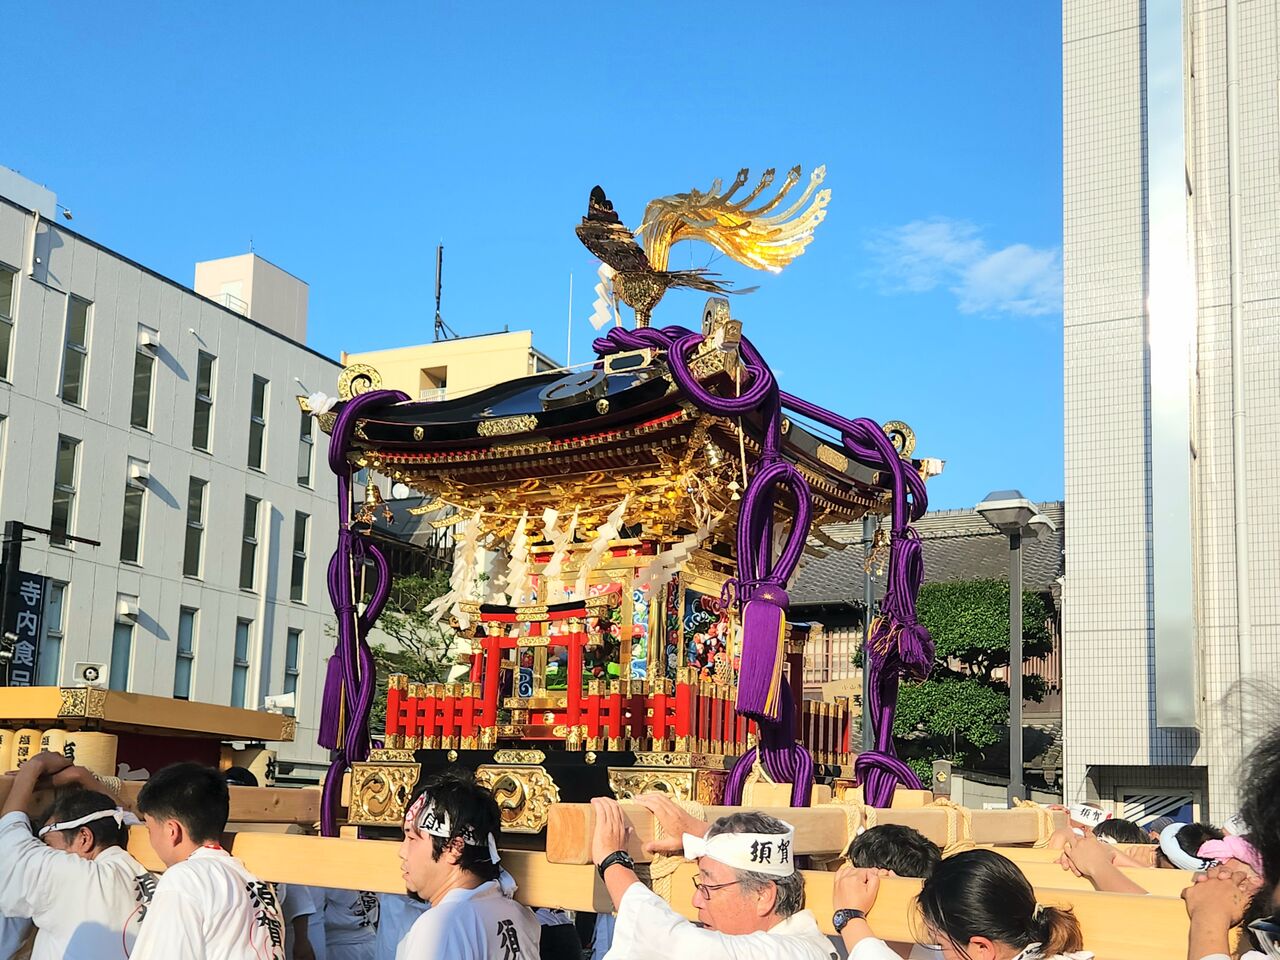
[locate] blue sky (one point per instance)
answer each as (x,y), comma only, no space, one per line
(348,139)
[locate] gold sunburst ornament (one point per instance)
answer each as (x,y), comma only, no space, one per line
(755,236)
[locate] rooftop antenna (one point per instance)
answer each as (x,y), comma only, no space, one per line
(442,330)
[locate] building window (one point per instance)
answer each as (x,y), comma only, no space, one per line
(186,653)
(202,426)
(298,581)
(64,490)
(121,655)
(292,649)
(75,352)
(306,449)
(240,666)
(257,422)
(8,282)
(131,529)
(193,552)
(144,366)
(50,668)
(249,544)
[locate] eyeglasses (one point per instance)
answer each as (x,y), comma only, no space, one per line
(705,888)
(1267,933)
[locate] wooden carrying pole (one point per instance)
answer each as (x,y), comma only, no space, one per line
(823,831)
(1116,926)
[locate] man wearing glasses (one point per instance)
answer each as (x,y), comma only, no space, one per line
(748,894)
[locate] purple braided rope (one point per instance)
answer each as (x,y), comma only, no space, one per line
(350,685)
(759,575)
(899,644)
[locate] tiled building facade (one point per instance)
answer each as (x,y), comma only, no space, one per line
(1115,54)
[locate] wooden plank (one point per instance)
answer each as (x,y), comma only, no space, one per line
(1020,825)
(136,712)
(1116,926)
(820,831)
(1162,883)
(278,805)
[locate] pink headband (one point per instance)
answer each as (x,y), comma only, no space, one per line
(1232,848)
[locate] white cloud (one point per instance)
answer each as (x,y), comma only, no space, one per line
(926,254)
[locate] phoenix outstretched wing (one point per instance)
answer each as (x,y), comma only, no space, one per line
(603,233)
(754,236)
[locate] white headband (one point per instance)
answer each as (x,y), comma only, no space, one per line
(768,853)
(424,818)
(123,818)
(1177,856)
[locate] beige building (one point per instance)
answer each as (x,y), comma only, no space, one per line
(453,368)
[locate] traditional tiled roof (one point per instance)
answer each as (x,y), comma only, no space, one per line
(958,545)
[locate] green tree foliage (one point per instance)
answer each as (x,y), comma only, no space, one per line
(961,710)
(424,649)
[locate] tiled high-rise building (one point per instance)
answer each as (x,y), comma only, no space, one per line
(1171,210)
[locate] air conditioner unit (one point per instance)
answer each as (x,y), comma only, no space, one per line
(139,473)
(149,340)
(88,674)
(280,702)
(126,607)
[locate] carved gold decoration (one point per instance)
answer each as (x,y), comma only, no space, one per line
(418,433)
(326,421)
(902,437)
(524,795)
(519,756)
(503,426)
(590,756)
(356,379)
(452,756)
(288,728)
(391,756)
(627,783)
(832,458)
(710,787)
(87,702)
(380,792)
(602,406)
(710,761)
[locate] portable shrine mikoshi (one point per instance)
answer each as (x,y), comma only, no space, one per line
(637,522)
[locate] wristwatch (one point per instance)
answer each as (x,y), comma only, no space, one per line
(618,856)
(840,919)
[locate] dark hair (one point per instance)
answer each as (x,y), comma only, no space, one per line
(1259,908)
(979,893)
(470,808)
(74,804)
(890,846)
(1190,837)
(789,898)
(1261,803)
(1121,831)
(194,795)
(239,777)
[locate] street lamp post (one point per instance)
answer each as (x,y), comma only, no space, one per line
(1016,517)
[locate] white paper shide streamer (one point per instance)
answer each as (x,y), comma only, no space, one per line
(466,554)
(516,582)
(605,307)
(606,533)
(561,542)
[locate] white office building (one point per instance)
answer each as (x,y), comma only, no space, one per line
(162,422)
(1171,209)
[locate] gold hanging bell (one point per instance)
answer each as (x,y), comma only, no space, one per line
(372,502)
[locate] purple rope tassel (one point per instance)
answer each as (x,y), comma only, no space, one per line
(351,678)
(900,645)
(761,582)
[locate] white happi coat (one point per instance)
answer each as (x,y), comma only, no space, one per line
(479,924)
(648,929)
(88,909)
(397,913)
(869,948)
(350,923)
(209,907)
